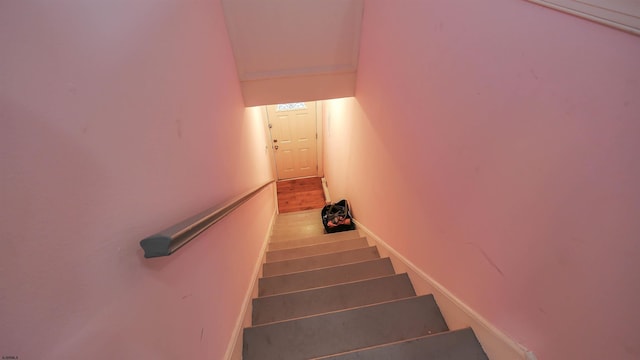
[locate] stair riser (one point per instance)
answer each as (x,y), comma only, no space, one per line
(453,345)
(305,215)
(289,244)
(312,250)
(292,233)
(332,298)
(287,223)
(320,261)
(293,227)
(324,277)
(344,331)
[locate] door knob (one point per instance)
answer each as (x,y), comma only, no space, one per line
(275,140)
(276,147)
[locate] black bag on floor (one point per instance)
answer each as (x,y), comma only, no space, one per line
(337,217)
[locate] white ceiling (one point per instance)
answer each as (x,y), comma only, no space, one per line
(283,39)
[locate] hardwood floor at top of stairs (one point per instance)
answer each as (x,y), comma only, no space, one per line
(300,194)
(331,296)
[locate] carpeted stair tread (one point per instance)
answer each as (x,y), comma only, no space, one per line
(312,240)
(331,298)
(320,261)
(317,249)
(341,331)
(451,345)
(323,277)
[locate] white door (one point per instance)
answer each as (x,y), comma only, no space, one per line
(293,132)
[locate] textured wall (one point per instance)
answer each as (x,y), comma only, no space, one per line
(118,119)
(495,144)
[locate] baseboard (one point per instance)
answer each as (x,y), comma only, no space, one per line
(234,349)
(496,344)
(325,190)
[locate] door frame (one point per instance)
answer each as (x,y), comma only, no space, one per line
(319,140)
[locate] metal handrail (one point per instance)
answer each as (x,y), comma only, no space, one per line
(168,241)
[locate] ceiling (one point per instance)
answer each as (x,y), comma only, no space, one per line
(294,50)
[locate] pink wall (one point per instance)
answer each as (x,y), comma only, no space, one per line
(118,119)
(495,145)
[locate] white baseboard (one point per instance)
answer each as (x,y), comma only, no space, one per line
(496,344)
(234,349)
(325,190)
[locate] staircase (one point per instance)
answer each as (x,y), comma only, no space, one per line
(333,297)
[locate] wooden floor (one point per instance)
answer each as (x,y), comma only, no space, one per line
(300,194)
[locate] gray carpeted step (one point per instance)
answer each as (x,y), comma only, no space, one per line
(312,240)
(451,345)
(320,261)
(331,298)
(346,330)
(318,249)
(324,277)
